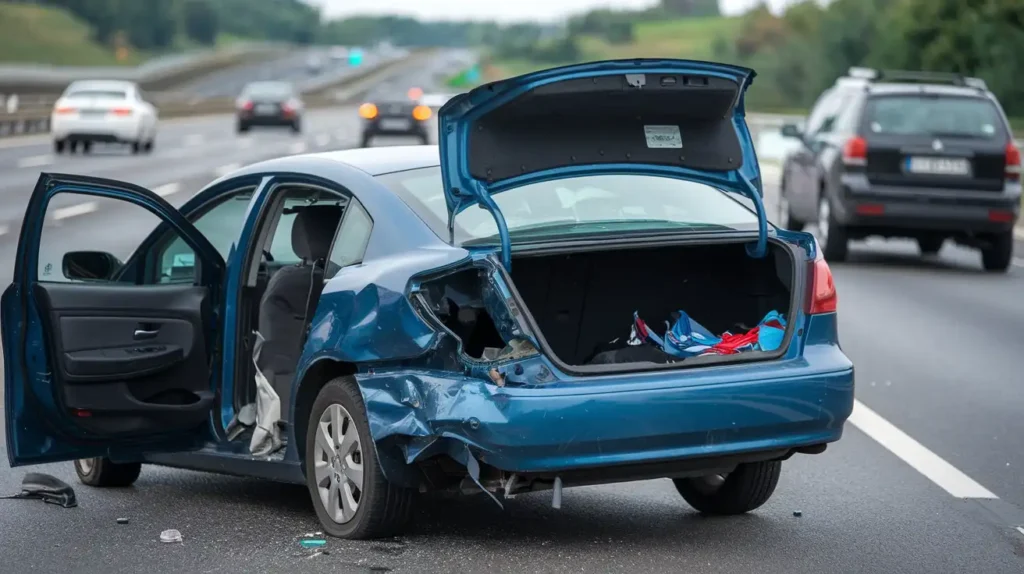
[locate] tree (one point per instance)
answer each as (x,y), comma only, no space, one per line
(200,21)
(691,8)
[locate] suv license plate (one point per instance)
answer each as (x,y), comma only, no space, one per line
(939,166)
(266,109)
(394,125)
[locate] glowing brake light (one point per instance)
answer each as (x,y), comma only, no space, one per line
(415,94)
(246,105)
(823,297)
(855,151)
(65,110)
(421,113)
(1012,162)
(122,111)
(368,111)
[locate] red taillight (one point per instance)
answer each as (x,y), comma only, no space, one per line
(246,105)
(1012,162)
(998,216)
(121,111)
(823,297)
(855,152)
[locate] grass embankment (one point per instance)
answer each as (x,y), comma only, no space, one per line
(42,34)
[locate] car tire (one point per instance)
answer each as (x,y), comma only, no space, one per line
(73,147)
(997,256)
(242,128)
(424,140)
(930,245)
(59,146)
(86,147)
(831,234)
(366,141)
(296,128)
(148,147)
(382,509)
(742,490)
(136,147)
(102,472)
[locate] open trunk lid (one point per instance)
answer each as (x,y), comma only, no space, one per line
(673,118)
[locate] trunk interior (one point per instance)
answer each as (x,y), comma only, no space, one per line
(583,301)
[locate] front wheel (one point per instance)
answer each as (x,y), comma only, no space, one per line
(998,254)
(102,472)
(350,494)
(742,490)
(930,245)
(58,146)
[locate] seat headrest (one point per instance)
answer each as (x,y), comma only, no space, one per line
(313,231)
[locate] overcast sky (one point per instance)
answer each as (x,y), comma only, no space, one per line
(503,10)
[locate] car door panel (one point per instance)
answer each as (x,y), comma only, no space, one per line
(115,367)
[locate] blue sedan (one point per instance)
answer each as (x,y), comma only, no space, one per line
(577,286)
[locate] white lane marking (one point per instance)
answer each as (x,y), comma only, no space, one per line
(4,229)
(933,467)
(1018,233)
(167,189)
(297,147)
(74,210)
(323,139)
(194,139)
(226,169)
(1018,262)
(35,160)
(341,134)
(1020,529)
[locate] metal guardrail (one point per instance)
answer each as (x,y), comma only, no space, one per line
(33,115)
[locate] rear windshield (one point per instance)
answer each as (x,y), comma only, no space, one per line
(922,114)
(105,94)
(586,204)
(268,90)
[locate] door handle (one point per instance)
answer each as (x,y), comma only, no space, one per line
(146,334)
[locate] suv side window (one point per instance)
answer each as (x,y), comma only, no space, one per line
(353,235)
(819,112)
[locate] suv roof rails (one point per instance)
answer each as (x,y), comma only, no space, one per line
(864,75)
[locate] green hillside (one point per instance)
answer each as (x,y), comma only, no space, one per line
(31,33)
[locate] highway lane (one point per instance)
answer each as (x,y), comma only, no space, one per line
(937,356)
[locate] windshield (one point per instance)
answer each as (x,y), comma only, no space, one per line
(586,204)
(922,114)
(270,89)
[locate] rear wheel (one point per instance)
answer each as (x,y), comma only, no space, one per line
(930,245)
(786,219)
(366,140)
(424,139)
(136,147)
(86,147)
(296,128)
(996,256)
(350,494)
(740,491)
(242,128)
(831,234)
(102,472)
(148,148)
(59,146)
(73,147)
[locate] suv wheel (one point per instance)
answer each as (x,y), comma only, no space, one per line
(102,472)
(350,494)
(831,235)
(930,245)
(740,491)
(996,256)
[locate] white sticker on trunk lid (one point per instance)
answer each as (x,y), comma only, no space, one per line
(663,137)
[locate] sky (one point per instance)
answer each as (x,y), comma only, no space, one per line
(501,10)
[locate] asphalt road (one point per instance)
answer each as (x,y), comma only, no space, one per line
(938,354)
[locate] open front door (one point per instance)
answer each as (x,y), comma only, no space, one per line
(100,360)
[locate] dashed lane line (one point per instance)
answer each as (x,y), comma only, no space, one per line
(226,169)
(297,148)
(323,139)
(74,210)
(35,161)
(167,189)
(924,461)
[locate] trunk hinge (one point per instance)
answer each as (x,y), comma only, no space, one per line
(487,202)
(760,249)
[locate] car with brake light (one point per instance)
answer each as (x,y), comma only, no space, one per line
(269,104)
(919,155)
(103,111)
(394,117)
(539,302)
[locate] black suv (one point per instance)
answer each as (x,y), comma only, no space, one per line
(905,154)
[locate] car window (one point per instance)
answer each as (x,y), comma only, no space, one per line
(297,196)
(105,94)
(821,110)
(267,90)
(625,201)
(930,115)
(350,243)
(220,224)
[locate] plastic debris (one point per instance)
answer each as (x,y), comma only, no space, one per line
(122,521)
(47,488)
(312,542)
(170,536)
(556,494)
(797,513)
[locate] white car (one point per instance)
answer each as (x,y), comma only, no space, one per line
(107,111)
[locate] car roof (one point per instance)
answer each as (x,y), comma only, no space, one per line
(937,89)
(102,84)
(381,160)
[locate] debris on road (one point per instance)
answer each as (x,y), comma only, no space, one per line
(122,521)
(47,488)
(798,513)
(170,536)
(312,542)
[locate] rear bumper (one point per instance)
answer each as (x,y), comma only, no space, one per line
(101,129)
(861,205)
(379,127)
(276,120)
(740,412)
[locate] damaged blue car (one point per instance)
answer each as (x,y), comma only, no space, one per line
(578,286)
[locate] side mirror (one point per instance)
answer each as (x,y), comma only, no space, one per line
(791,131)
(90,265)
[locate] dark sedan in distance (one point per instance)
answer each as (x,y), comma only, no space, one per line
(399,118)
(269,104)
